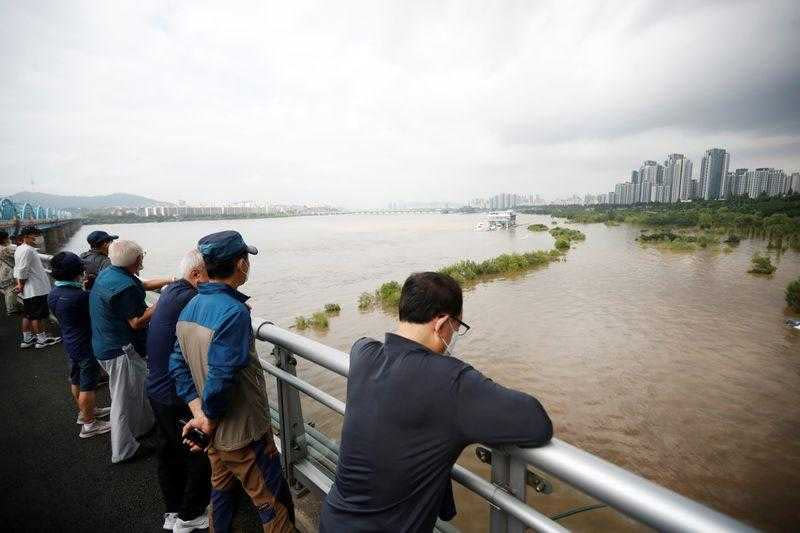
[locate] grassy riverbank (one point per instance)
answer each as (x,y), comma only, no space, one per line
(775,219)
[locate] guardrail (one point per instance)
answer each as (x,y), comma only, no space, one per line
(632,495)
(309,457)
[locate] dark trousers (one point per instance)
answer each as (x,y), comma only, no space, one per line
(185,477)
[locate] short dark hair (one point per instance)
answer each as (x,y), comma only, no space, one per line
(426,295)
(65,266)
(3,235)
(222,269)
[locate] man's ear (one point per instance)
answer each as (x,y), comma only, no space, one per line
(439,322)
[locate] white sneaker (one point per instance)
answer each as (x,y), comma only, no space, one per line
(181,526)
(27,344)
(99,412)
(169,521)
(98,427)
(47,341)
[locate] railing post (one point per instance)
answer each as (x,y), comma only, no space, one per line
(517,486)
(293,436)
(498,520)
(510,475)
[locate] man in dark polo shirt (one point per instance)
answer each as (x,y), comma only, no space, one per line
(96,258)
(412,408)
(184,476)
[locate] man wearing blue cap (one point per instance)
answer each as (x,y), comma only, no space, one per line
(217,373)
(96,259)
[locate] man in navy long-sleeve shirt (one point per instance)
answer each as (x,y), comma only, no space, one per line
(411,411)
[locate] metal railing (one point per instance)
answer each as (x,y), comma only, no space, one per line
(309,457)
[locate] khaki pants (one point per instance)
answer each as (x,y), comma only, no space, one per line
(258,467)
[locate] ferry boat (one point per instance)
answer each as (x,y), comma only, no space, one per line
(496,220)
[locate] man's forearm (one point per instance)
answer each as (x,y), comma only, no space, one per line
(157,283)
(140,322)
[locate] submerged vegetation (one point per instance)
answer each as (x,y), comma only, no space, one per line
(468,272)
(366,301)
(793,295)
(319,319)
(567,234)
(538,227)
(762,264)
(679,242)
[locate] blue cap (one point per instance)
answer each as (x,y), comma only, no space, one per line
(96,238)
(66,266)
(223,246)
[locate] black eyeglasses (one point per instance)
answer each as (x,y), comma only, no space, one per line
(463,327)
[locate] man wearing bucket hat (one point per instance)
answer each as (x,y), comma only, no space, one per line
(217,373)
(96,258)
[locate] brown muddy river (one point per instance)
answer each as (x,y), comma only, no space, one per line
(676,366)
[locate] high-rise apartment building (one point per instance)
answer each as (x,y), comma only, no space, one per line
(677,177)
(714,173)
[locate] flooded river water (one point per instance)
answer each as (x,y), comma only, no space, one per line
(676,366)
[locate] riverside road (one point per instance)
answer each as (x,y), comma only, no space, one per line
(51,479)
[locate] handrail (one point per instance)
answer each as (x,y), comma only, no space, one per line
(632,495)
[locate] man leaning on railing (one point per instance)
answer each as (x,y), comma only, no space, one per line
(412,408)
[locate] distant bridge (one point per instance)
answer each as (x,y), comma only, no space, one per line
(394,211)
(57,225)
(11,211)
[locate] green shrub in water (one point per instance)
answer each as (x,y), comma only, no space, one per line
(319,320)
(332,309)
(793,294)
(366,301)
(300,322)
(762,264)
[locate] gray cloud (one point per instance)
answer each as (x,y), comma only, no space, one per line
(373,102)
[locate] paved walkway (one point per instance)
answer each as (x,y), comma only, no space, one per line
(50,479)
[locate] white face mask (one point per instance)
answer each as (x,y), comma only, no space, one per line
(449,349)
(246,273)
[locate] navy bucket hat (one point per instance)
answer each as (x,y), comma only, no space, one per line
(223,246)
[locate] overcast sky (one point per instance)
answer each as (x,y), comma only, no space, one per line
(363,103)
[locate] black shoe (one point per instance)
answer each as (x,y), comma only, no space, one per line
(142,452)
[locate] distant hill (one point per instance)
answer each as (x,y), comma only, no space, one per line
(85,202)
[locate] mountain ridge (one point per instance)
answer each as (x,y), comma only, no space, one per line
(60,201)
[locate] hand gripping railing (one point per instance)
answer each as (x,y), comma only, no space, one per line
(630,494)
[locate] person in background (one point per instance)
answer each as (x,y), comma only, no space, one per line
(217,373)
(184,476)
(69,303)
(119,316)
(7,273)
(96,258)
(33,284)
(412,408)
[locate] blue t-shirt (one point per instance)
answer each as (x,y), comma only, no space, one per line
(161,339)
(70,305)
